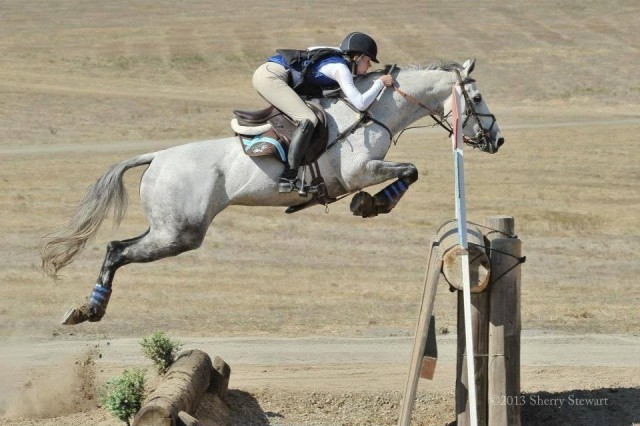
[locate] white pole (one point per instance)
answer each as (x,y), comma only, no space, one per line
(461,216)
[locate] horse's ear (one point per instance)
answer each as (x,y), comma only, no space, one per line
(468,67)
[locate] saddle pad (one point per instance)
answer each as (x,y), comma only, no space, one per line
(263,145)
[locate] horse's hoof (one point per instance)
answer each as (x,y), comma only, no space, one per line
(79,315)
(362,204)
(75,316)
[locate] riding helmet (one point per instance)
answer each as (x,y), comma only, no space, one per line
(358,42)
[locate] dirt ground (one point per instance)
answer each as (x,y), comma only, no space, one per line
(315,312)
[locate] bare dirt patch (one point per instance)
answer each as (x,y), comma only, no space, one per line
(354,381)
(63,388)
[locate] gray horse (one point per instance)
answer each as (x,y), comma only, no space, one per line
(186,186)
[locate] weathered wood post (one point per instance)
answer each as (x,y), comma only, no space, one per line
(496,334)
(479,318)
(421,365)
(495,303)
(444,260)
(179,394)
(504,323)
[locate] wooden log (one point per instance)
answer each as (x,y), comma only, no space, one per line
(188,420)
(432,275)
(479,265)
(183,387)
(219,377)
(504,325)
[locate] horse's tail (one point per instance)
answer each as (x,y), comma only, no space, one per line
(60,247)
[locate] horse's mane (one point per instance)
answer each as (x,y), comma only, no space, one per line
(434,65)
(437,65)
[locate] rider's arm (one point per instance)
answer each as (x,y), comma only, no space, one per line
(341,74)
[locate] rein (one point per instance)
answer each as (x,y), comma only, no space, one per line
(479,141)
(364,117)
(442,123)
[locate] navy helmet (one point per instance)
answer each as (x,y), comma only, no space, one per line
(358,42)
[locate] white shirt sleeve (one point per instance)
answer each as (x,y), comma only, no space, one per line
(341,74)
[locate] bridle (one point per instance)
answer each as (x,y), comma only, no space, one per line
(480,140)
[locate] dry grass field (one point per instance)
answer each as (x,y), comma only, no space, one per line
(86,84)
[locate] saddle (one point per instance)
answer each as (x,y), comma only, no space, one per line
(268,132)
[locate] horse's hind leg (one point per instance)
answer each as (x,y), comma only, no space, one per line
(144,248)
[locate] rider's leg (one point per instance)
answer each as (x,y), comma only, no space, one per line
(299,141)
(271,82)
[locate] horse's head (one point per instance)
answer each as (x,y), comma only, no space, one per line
(479,126)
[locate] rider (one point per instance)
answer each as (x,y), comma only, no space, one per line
(282,80)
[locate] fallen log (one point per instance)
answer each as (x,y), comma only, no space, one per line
(177,397)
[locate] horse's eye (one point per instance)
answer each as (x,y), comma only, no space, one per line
(477,98)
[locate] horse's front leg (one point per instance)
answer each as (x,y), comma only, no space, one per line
(375,172)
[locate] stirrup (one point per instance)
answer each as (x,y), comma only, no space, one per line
(290,185)
(287,185)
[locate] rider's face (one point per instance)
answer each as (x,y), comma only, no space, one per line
(363,63)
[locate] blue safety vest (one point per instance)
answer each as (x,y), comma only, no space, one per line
(303,66)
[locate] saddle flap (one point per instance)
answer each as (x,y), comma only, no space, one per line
(252,124)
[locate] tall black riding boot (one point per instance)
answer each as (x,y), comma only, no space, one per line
(297,148)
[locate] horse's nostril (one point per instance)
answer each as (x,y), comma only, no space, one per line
(500,142)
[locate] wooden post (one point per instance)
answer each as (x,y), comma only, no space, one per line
(497,358)
(480,268)
(480,321)
(184,385)
(418,360)
(495,321)
(504,324)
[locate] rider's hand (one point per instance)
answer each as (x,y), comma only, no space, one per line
(387,80)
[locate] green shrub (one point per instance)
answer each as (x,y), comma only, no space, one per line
(123,395)
(161,350)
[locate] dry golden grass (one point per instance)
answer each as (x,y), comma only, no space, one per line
(261,272)
(96,76)
(85,85)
